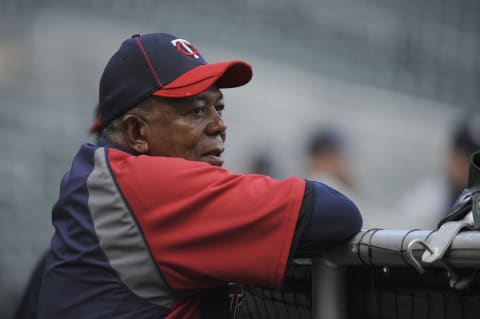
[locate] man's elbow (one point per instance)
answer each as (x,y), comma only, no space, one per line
(352,220)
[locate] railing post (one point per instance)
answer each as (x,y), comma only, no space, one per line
(328,290)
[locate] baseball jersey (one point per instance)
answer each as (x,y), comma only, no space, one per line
(139,236)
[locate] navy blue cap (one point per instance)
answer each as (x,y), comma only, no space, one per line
(161,64)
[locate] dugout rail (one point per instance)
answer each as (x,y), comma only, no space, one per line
(379,251)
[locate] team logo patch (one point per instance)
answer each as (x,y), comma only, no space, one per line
(185,47)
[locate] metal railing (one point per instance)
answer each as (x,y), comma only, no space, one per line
(388,248)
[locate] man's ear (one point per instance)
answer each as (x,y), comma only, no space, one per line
(134,128)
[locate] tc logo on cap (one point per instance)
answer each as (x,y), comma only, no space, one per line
(185,47)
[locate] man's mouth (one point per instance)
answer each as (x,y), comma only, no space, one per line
(213,157)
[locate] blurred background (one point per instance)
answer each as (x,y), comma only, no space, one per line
(386,80)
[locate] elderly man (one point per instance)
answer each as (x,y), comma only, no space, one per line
(149,225)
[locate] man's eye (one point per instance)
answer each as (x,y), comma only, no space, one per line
(198,111)
(220,109)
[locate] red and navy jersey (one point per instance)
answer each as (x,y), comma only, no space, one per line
(145,237)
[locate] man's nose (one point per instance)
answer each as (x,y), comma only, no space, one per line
(217,125)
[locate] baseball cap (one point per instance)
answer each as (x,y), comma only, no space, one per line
(161,64)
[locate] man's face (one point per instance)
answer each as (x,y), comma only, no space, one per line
(458,163)
(190,128)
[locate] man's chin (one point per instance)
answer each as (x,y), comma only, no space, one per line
(212,160)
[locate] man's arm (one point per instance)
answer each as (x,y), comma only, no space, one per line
(327,218)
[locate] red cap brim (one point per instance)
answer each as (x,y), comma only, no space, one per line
(223,74)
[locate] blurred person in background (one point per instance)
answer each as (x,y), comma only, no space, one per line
(431,199)
(328,160)
(28,304)
(261,162)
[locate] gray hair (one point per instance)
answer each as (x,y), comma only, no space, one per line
(113,131)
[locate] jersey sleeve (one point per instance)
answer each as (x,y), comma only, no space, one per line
(205,226)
